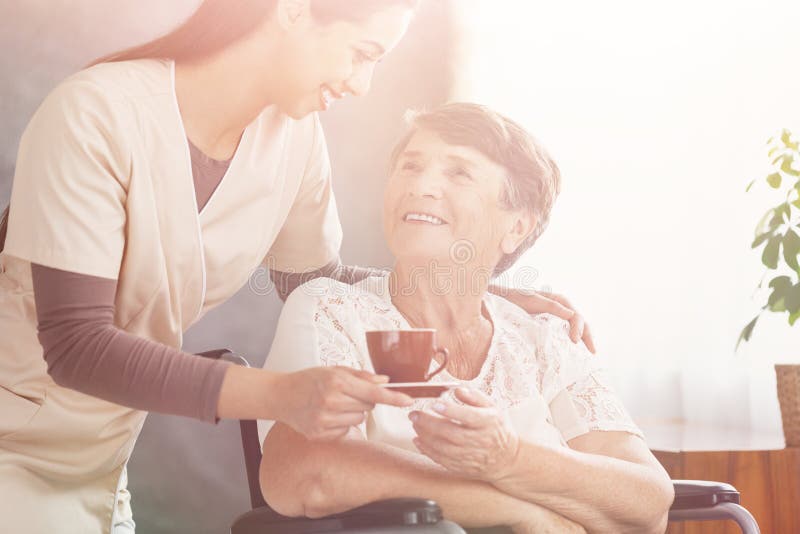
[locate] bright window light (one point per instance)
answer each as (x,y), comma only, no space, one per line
(658,114)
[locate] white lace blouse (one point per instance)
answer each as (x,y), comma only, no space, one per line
(552,389)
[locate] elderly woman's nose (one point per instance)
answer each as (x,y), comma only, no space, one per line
(427,184)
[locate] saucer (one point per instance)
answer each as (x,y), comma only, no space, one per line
(421,389)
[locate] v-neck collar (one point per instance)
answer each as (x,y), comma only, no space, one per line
(243,146)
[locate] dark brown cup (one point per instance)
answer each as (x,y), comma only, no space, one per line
(405,355)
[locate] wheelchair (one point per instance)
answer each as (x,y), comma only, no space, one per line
(695,500)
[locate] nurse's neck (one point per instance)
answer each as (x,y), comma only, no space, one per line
(219,96)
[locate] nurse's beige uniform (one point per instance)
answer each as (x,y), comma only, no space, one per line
(552,389)
(103,187)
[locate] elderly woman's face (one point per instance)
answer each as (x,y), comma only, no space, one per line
(442,204)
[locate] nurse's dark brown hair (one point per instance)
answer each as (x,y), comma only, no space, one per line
(3,228)
(218,23)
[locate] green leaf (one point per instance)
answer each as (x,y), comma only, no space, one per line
(770,255)
(782,282)
(778,306)
(786,165)
(792,300)
(747,189)
(760,227)
(760,239)
(747,331)
(793,317)
(774,180)
(780,285)
(780,215)
(786,138)
(791,249)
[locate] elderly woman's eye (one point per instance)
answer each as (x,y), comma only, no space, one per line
(410,166)
(461,173)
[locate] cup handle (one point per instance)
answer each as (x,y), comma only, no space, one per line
(446,354)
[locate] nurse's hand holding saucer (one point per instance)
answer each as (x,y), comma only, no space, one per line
(324,402)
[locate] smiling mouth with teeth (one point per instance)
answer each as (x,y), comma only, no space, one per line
(328,96)
(423,217)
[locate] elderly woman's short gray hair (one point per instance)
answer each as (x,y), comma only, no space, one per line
(534,180)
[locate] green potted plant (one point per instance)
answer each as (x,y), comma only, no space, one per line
(778,232)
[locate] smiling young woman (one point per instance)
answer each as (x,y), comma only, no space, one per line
(147,188)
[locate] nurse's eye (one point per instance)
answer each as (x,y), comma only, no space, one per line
(362,57)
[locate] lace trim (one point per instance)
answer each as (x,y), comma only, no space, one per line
(529,356)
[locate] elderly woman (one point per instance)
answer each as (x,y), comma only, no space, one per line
(534,438)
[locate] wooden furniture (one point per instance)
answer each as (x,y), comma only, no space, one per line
(766,473)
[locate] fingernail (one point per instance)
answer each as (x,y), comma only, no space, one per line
(381,378)
(464,391)
(439,407)
(413,416)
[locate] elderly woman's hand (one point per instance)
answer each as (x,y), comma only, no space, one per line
(473,439)
(535,302)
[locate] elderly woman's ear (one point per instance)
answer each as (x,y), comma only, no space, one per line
(522,226)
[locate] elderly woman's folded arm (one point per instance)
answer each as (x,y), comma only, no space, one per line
(301,477)
(607,481)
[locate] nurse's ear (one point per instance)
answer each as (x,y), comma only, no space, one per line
(292,13)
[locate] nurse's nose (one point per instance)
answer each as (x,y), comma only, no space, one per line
(361,80)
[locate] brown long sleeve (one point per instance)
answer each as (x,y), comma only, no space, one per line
(85,351)
(285,283)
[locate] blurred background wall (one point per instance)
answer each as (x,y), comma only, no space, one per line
(186,476)
(657,114)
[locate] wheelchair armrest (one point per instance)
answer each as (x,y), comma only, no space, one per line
(265,520)
(390,512)
(404,511)
(702,494)
(701,500)
(224,354)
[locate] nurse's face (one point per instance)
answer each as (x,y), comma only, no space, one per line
(324,62)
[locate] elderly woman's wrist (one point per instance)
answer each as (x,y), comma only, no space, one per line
(508,465)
